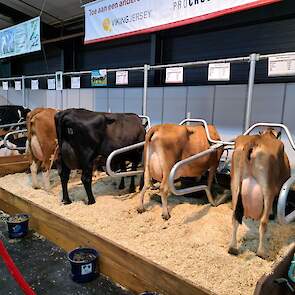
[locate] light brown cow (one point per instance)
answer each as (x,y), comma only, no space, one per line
(259,169)
(42,143)
(167,144)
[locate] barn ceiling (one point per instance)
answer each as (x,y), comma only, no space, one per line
(56,13)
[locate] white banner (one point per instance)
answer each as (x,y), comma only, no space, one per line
(59,80)
(122,78)
(219,72)
(281,65)
(34,84)
(75,82)
(174,75)
(110,19)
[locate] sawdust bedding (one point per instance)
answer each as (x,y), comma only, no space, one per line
(192,243)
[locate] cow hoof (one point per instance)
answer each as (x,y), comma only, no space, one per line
(233,251)
(91,202)
(36,187)
(66,202)
(131,190)
(140,210)
(166,216)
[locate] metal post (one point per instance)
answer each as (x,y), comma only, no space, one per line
(253,58)
(23,92)
(145,86)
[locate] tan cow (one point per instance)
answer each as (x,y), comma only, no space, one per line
(42,143)
(167,144)
(259,169)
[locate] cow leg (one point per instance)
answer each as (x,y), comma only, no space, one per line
(46,179)
(132,181)
(164,192)
(233,249)
(34,170)
(64,173)
(263,225)
(87,180)
(146,186)
(123,169)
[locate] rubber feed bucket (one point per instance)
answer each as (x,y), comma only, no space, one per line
(18,225)
(83,263)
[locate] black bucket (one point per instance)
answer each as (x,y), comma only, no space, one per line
(84,268)
(18,225)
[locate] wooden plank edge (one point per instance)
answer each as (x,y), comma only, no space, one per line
(122,265)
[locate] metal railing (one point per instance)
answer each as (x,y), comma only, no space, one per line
(13,124)
(285,190)
(5,140)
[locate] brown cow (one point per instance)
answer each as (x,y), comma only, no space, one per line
(167,144)
(260,167)
(42,143)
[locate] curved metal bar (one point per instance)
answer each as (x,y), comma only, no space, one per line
(207,131)
(147,119)
(278,125)
(5,140)
(193,189)
(120,151)
(282,202)
(13,124)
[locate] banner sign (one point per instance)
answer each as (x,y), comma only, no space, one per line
(219,72)
(99,78)
(75,82)
(111,19)
(174,75)
(122,78)
(51,84)
(20,39)
(5,85)
(18,85)
(281,65)
(34,84)
(59,80)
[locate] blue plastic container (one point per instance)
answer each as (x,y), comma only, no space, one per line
(18,229)
(83,271)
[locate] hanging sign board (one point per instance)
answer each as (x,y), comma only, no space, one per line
(51,84)
(110,19)
(34,84)
(122,78)
(98,78)
(219,72)
(20,39)
(174,75)
(18,85)
(281,65)
(5,85)
(75,82)
(58,80)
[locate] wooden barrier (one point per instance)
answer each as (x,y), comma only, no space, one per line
(129,269)
(13,164)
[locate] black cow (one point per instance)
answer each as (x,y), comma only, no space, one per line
(12,114)
(84,135)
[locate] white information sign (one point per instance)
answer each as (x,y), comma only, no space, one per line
(219,72)
(34,84)
(174,75)
(18,85)
(58,80)
(281,65)
(75,82)
(122,78)
(5,85)
(109,19)
(51,84)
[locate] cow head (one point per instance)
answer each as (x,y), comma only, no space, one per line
(271,131)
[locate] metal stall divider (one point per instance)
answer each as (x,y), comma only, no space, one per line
(282,202)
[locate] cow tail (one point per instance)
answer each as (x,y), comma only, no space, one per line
(58,127)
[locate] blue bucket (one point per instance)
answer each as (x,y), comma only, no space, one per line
(18,225)
(83,268)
